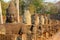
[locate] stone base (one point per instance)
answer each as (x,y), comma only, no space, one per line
(8,37)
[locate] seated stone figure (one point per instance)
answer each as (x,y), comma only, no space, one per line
(11,15)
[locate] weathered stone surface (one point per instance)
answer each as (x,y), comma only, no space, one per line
(1,18)
(27,17)
(13,28)
(24,37)
(42,20)
(42,31)
(2,30)
(17,6)
(36,19)
(8,37)
(11,15)
(55,37)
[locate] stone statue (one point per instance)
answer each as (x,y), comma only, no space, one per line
(11,15)
(27,17)
(42,19)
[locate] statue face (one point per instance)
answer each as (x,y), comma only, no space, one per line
(12,17)
(11,12)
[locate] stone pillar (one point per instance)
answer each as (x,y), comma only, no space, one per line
(34,33)
(42,20)
(17,6)
(24,31)
(27,17)
(2,30)
(24,37)
(1,19)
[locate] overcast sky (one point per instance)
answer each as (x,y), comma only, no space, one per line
(51,0)
(6,0)
(45,0)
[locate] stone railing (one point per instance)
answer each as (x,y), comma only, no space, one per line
(28,32)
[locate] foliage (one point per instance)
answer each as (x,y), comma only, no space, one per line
(4,7)
(52,9)
(33,6)
(37,4)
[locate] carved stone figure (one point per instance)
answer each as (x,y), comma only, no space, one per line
(11,15)
(27,17)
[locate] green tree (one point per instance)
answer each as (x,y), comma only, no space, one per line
(33,5)
(51,8)
(4,7)
(38,4)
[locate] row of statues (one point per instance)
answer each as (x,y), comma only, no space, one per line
(12,16)
(32,31)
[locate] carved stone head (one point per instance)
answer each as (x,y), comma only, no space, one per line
(11,14)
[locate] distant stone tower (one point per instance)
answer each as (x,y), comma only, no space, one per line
(1,19)
(11,14)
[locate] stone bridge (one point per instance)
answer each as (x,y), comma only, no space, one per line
(12,28)
(13,31)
